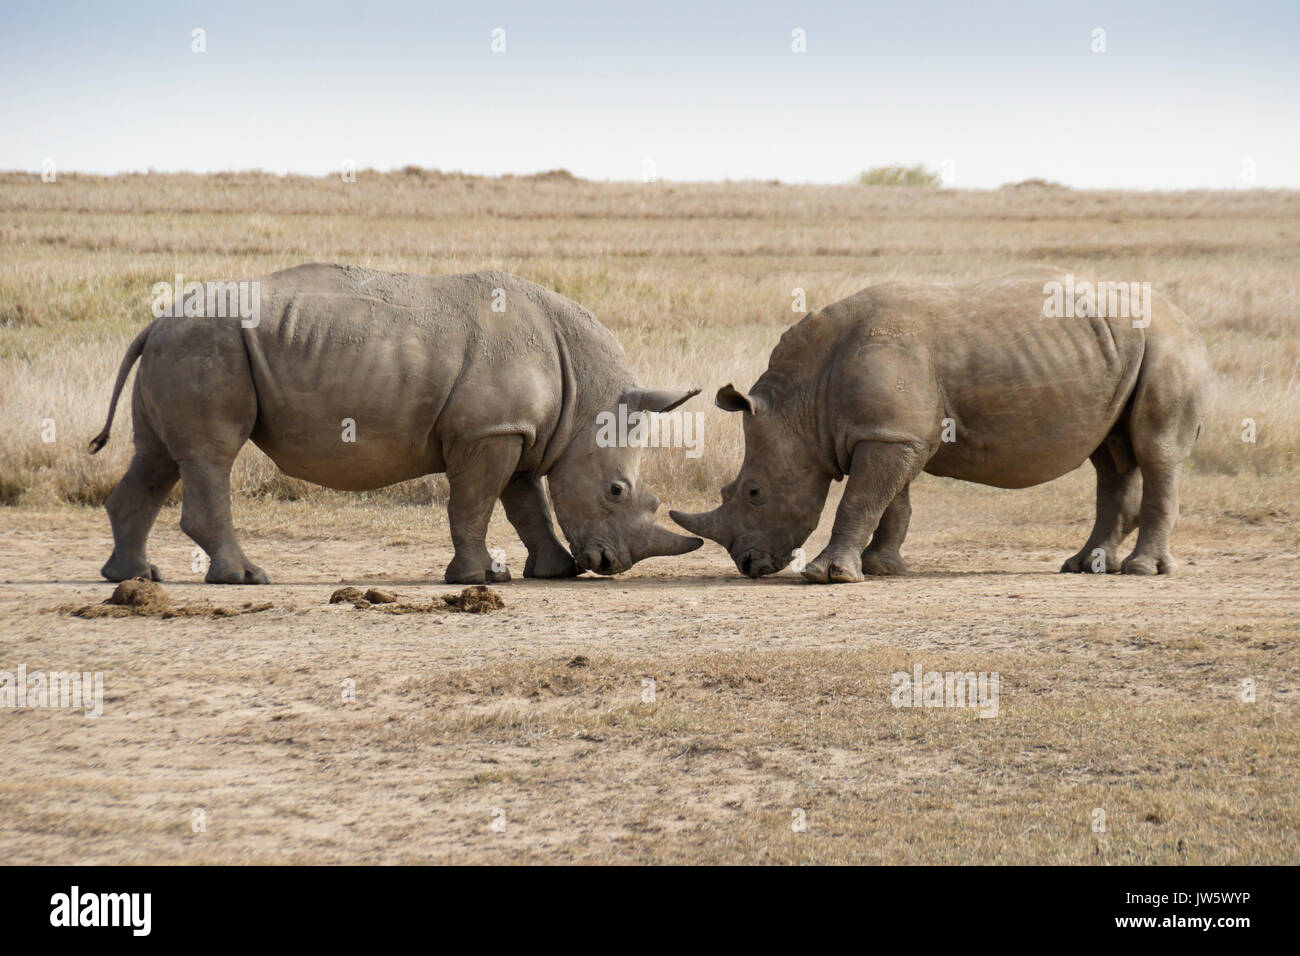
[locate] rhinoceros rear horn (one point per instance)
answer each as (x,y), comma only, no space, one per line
(660,542)
(656,400)
(703,523)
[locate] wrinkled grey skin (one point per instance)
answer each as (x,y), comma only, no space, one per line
(862,389)
(435,381)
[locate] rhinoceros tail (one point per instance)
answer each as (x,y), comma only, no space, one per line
(132,353)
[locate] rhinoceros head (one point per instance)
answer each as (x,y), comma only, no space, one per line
(604,509)
(776,500)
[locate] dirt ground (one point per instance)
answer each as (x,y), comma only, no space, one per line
(527,735)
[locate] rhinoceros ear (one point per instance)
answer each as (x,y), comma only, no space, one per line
(731,400)
(655,400)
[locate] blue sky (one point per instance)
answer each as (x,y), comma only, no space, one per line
(1185,95)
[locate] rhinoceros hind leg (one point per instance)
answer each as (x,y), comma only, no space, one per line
(883,556)
(1119,495)
(478,473)
(880,470)
(206,517)
(530,514)
(1156,520)
(195,379)
(133,507)
(1164,423)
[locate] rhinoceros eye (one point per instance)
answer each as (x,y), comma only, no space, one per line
(755,494)
(617,489)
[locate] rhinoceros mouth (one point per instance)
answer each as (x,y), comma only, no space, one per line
(599,559)
(754,564)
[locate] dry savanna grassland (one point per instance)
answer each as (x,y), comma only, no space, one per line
(1139,720)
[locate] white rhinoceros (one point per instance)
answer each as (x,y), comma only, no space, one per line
(973,380)
(488,377)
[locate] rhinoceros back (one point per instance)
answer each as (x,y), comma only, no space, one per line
(1032,395)
(1023,396)
(357,371)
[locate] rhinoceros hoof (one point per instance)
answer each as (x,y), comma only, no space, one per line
(1085,563)
(1146,564)
(245,574)
(456,575)
(882,563)
(115,570)
(551,565)
(828,569)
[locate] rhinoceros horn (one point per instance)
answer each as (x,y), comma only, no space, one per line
(704,523)
(660,542)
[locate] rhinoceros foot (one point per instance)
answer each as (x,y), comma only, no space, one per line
(883,563)
(118,570)
(241,573)
(556,563)
(1148,564)
(1088,562)
(834,568)
(464,570)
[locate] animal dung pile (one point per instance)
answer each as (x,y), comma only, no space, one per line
(362,599)
(145,596)
(140,597)
(477,599)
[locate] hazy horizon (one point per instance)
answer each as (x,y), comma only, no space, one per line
(540,173)
(1183,96)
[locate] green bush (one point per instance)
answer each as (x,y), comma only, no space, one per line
(899,176)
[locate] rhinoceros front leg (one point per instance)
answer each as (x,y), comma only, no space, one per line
(880,470)
(883,555)
(530,513)
(478,472)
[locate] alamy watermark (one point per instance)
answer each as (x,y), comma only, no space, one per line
(217,299)
(72,690)
(130,910)
(638,429)
(923,688)
(1085,299)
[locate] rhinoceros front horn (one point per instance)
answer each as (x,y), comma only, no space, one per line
(704,523)
(660,542)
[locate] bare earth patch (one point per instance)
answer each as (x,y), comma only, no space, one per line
(675,714)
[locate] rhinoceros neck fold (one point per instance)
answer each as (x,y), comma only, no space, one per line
(593,374)
(796,383)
